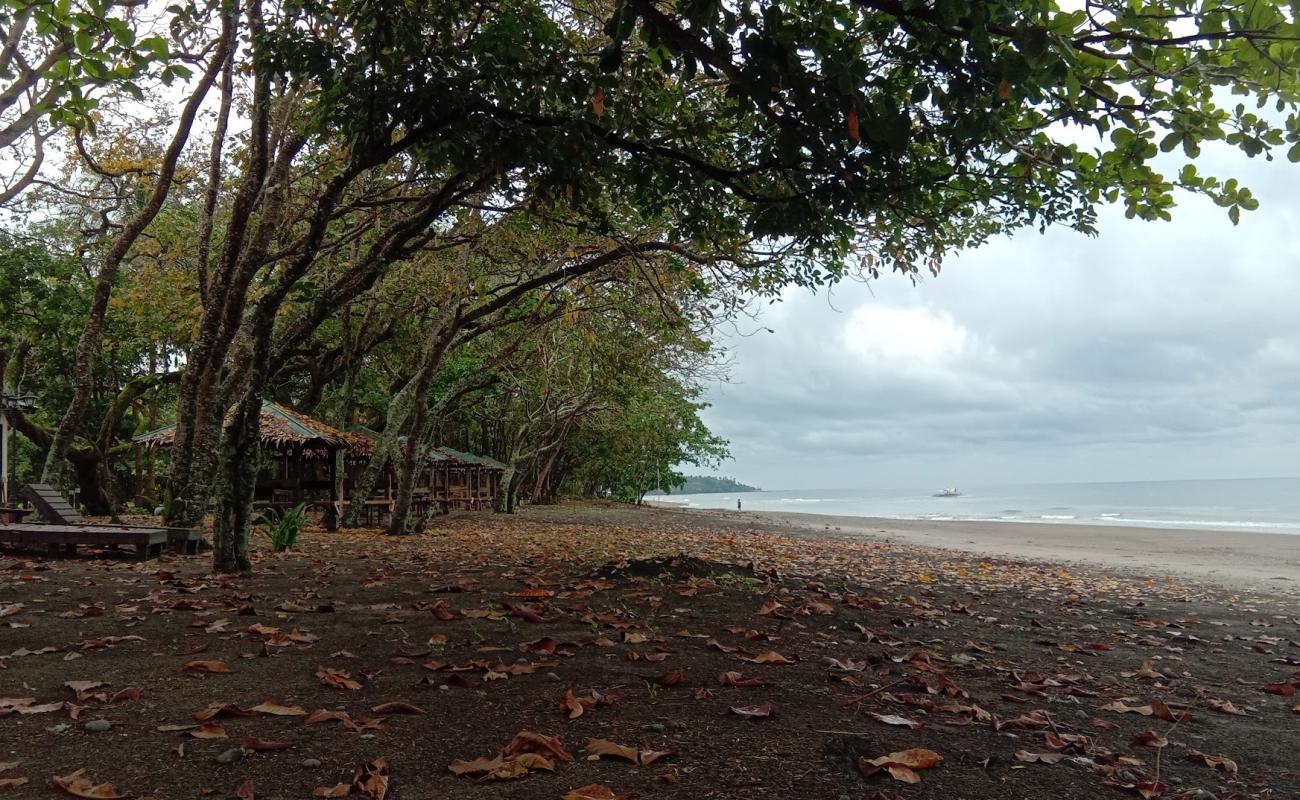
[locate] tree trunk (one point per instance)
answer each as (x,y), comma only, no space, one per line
(237,482)
(411,464)
(91,474)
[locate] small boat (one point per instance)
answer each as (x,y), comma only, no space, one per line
(948,493)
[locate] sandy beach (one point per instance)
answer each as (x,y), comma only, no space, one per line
(1253,561)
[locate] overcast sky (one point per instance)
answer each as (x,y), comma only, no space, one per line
(1156,351)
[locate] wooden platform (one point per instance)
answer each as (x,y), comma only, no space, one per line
(56,540)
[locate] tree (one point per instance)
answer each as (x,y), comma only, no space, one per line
(55,58)
(748,147)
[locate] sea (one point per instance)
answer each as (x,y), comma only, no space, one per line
(1265,505)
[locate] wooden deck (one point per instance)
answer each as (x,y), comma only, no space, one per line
(57,540)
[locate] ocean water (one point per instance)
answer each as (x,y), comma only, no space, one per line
(1268,505)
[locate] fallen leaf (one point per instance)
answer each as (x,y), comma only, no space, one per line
(603,747)
(1225,707)
(532,742)
(398,707)
(755,712)
(263,745)
(274,709)
(337,678)
(79,785)
(208,730)
(217,667)
(1150,739)
(1213,762)
(893,719)
(770,657)
(371,779)
(595,791)
(1042,758)
(901,765)
(736,679)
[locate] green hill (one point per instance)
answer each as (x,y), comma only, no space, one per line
(707,484)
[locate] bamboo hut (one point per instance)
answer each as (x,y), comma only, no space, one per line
(300,459)
(477,478)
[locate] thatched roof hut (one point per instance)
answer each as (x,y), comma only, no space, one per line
(282,429)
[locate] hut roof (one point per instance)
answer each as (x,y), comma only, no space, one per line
(470,458)
(280,427)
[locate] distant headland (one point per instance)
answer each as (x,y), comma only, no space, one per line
(707,484)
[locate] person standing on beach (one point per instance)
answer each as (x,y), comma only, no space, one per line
(737,503)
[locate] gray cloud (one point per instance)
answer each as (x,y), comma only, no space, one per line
(1157,350)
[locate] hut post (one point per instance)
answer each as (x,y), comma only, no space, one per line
(336,511)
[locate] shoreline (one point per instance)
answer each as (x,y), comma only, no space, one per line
(1256,561)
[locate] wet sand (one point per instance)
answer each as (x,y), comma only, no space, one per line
(1263,562)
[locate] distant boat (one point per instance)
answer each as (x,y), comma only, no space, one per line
(948,493)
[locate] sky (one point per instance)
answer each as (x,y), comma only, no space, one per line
(1155,351)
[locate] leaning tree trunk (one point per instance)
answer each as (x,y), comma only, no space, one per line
(410,398)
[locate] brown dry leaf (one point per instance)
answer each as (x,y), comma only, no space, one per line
(79,785)
(12,783)
(339,790)
(274,709)
(572,705)
(894,719)
(770,657)
(736,679)
(1150,739)
(755,712)
(210,667)
(901,765)
(208,730)
(1225,707)
(478,766)
(1042,758)
(1147,789)
(1146,670)
(83,689)
(1213,762)
(245,791)
(371,779)
(1161,710)
(603,747)
(222,710)
(130,693)
(337,678)
(670,678)
(398,707)
(533,742)
(263,745)
(327,716)
(544,646)
(595,791)
(649,757)
(1120,708)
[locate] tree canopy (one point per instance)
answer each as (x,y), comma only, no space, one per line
(514,224)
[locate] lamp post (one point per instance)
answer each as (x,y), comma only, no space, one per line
(8,403)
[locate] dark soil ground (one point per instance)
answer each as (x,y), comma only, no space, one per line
(1001,666)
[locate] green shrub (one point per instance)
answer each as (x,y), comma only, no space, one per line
(284,527)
